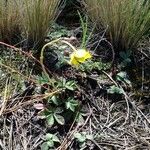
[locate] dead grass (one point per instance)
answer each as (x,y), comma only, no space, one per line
(9,21)
(126,22)
(28,20)
(36,19)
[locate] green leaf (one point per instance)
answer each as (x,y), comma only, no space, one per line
(81,138)
(58,110)
(128,82)
(60,119)
(80,118)
(45,146)
(70,85)
(114,89)
(54,99)
(129,53)
(50,143)
(56,139)
(48,111)
(49,136)
(71,104)
(50,119)
(69,88)
(63,82)
(121,76)
(77,135)
(42,79)
(82,146)
(42,115)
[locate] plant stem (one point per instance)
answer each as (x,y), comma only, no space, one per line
(49,44)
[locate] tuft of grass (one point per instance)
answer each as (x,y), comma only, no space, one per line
(126,21)
(37,17)
(9,21)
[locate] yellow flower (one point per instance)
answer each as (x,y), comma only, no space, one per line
(79,56)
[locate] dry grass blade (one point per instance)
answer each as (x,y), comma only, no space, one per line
(127,21)
(36,19)
(9,21)
(4,103)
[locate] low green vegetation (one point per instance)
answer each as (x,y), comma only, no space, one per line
(50,140)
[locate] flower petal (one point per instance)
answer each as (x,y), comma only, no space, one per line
(88,55)
(79,56)
(73,60)
(81,60)
(80,53)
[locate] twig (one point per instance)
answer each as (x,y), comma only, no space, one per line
(69,138)
(5,98)
(125,95)
(98,146)
(34,99)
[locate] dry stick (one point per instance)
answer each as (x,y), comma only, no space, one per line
(112,49)
(34,99)
(69,135)
(108,117)
(102,38)
(1,144)
(112,123)
(134,106)
(11,136)
(40,62)
(113,52)
(5,98)
(111,78)
(19,50)
(112,144)
(28,54)
(64,145)
(127,101)
(4,133)
(143,53)
(96,144)
(92,140)
(13,70)
(42,56)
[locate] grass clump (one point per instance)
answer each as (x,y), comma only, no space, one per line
(9,21)
(28,19)
(36,19)
(126,21)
